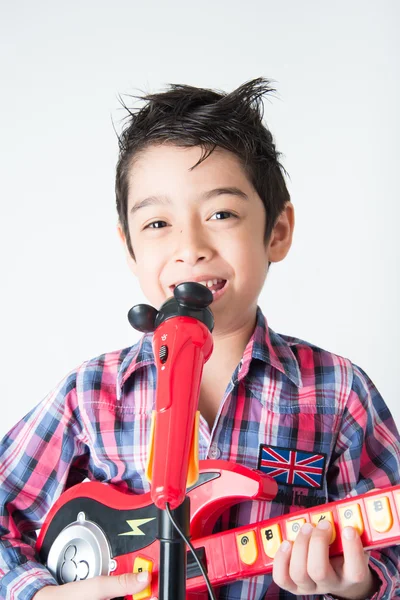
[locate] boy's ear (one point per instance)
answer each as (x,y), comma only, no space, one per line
(282,234)
(129,259)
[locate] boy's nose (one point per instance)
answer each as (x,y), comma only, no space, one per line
(192,247)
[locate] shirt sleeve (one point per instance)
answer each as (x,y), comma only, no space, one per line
(367,456)
(44,454)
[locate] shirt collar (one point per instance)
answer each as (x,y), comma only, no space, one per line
(264,344)
(136,357)
(271,348)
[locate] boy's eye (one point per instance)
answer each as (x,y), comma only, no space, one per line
(219,215)
(222,214)
(156,225)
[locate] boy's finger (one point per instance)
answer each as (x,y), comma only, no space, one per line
(319,567)
(107,587)
(355,566)
(98,588)
(280,570)
(298,562)
(126,584)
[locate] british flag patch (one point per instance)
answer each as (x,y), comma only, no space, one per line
(292,467)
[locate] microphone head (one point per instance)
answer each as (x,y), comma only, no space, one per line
(190,299)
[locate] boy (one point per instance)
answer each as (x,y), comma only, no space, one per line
(201,197)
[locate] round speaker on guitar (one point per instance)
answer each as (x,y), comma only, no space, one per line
(80,551)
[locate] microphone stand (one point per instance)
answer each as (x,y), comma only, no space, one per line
(173,554)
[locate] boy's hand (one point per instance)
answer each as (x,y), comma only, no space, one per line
(304,568)
(97,588)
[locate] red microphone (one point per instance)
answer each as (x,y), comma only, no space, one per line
(182,343)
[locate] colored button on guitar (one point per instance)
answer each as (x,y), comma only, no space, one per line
(247,546)
(141,564)
(293,527)
(271,539)
(379,513)
(350,516)
(325,516)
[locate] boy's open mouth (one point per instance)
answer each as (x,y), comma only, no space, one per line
(215,285)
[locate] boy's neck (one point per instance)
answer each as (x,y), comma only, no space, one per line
(229,347)
(230,344)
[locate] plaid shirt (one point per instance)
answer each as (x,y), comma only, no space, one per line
(284,393)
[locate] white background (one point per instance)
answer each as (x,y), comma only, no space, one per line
(65,286)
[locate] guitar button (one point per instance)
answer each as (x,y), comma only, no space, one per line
(293,527)
(350,516)
(142,564)
(380,515)
(271,539)
(325,516)
(247,547)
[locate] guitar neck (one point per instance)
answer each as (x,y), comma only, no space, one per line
(249,550)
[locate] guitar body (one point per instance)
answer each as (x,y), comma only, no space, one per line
(95,529)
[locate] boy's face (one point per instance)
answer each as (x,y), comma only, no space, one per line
(201,225)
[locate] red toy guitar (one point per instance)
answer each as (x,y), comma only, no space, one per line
(94,529)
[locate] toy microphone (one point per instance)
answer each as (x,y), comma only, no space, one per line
(182,343)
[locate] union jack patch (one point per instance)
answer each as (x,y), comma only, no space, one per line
(292,467)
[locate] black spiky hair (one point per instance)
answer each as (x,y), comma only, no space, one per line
(190,116)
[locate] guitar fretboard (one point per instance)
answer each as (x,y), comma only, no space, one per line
(248,551)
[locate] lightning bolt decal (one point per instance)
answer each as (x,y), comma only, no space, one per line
(134,524)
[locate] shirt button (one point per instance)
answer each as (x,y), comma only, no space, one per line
(214,452)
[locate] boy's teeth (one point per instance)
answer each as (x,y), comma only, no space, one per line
(210,282)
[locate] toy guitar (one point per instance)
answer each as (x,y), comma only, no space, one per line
(95,529)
